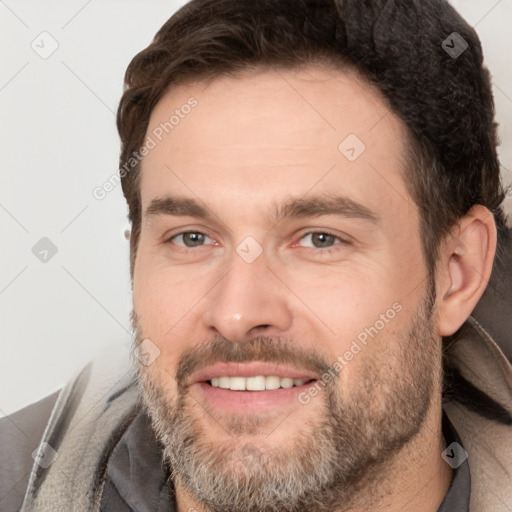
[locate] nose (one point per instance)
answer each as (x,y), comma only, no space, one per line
(248,300)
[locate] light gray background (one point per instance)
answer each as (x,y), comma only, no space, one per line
(58,141)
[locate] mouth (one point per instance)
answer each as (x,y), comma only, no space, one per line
(256,383)
(249,388)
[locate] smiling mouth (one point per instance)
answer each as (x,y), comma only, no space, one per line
(256,383)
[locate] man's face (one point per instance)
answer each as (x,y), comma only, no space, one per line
(288,254)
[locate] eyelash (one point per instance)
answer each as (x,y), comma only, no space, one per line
(315,250)
(325,250)
(183,247)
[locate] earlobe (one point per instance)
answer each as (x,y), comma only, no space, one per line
(464,268)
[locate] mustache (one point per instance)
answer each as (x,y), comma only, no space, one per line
(262,348)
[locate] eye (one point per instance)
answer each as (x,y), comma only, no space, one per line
(191,239)
(319,240)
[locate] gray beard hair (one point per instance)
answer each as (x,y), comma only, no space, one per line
(337,458)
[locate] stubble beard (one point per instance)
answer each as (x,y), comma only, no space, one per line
(332,460)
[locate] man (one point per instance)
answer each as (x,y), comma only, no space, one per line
(315,201)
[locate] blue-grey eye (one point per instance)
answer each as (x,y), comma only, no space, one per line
(190,239)
(319,240)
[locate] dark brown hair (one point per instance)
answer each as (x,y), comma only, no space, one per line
(397,45)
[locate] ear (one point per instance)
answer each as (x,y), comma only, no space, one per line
(464,268)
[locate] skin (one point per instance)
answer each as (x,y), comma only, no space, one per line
(257,141)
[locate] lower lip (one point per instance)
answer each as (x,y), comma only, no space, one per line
(248,401)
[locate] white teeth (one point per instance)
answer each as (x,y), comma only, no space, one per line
(272,382)
(224,382)
(257,383)
(237,383)
(287,383)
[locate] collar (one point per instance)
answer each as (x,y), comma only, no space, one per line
(457,497)
(136,479)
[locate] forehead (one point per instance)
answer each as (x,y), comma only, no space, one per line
(273,134)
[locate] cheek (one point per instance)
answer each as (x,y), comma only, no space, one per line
(355,317)
(164,305)
(345,300)
(163,294)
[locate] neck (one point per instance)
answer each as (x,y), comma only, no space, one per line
(417,478)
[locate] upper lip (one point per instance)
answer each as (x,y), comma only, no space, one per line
(251,369)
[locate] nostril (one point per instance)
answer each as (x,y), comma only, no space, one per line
(261,326)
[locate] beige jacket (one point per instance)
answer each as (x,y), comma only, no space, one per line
(489,444)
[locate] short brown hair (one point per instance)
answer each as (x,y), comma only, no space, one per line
(445,102)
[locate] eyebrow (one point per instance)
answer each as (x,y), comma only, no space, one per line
(324,205)
(294,208)
(179,206)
